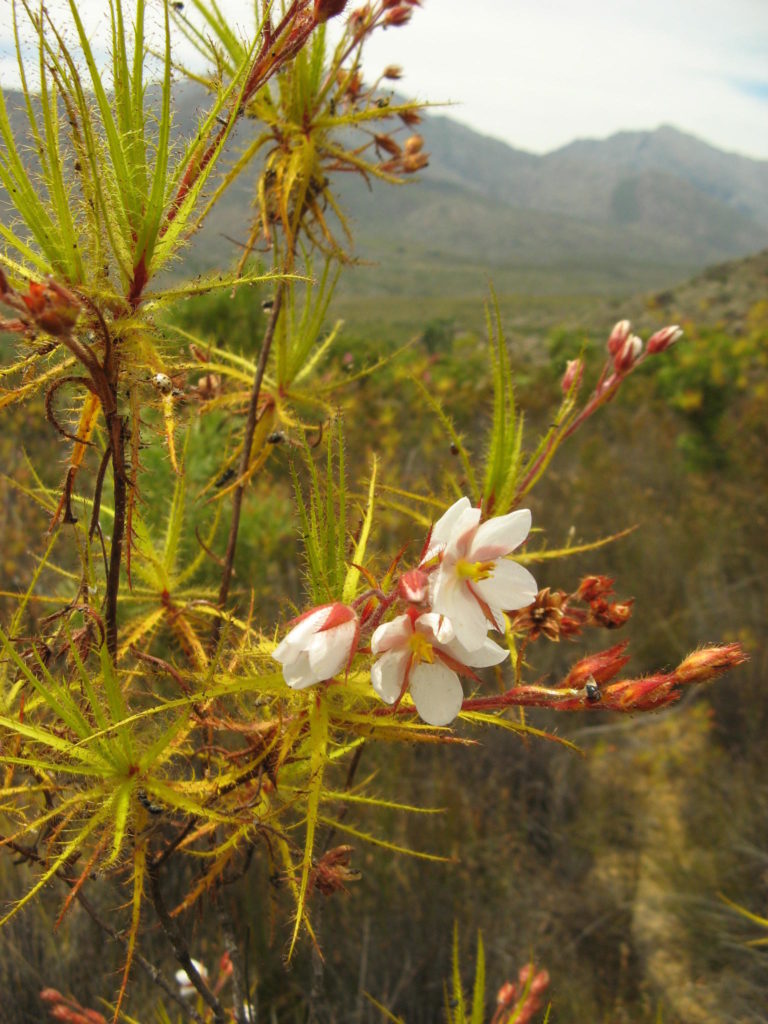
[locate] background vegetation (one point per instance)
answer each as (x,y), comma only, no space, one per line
(607,869)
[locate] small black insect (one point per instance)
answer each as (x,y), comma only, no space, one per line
(593,691)
(276,437)
(226,476)
(147,804)
(454,448)
(267,304)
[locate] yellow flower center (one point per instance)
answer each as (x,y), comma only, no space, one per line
(422,648)
(474,571)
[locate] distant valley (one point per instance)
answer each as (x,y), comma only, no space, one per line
(631,213)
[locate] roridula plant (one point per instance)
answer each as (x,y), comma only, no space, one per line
(153,718)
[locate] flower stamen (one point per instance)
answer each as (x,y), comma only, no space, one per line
(474,571)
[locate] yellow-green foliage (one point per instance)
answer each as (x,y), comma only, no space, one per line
(145,727)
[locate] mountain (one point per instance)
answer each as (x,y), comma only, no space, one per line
(632,212)
(636,211)
(613,179)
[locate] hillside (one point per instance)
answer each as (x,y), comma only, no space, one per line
(634,212)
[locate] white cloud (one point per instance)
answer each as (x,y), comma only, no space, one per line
(539,73)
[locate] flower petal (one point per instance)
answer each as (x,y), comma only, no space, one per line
(453,598)
(391,634)
(510,587)
(388,674)
(500,535)
(437,628)
(298,637)
(443,528)
(298,673)
(461,537)
(489,653)
(436,691)
(329,651)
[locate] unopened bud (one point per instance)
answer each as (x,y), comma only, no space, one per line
(540,983)
(388,144)
(661,340)
(414,163)
(399,15)
(51,995)
(709,662)
(409,117)
(392,71)
(506,994)
(628,354)
(325,9)
(574,371)
(618,336)
(598,667)
(413,144)
(413,586)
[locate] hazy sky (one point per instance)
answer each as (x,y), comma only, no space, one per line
(539,73)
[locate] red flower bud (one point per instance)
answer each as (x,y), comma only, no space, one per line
(661,340)
(540,983)
(709,662)
(574,371)
(507,994)
(412,586)
(598,667)
(627,355)
(618,336)
(325,9)
(51,995)
(398,15)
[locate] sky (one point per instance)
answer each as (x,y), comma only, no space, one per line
(540,73)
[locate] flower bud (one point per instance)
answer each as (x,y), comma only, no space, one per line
(618,336)
(51,995)
(540,983)
(413,586)
(627,355)
(52,307)
(320,645)
(709,662)
(574,371)
(507,994)
(414,163)
(663,339)
(393,72)
(325,9)
(409,117)
(598,667)
(388,144)
(399,15)
(413,144)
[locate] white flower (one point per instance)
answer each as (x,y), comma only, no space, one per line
(474,582)
(319,645)
(422,652)
(186,988)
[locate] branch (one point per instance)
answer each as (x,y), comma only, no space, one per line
(176,939)
(245,458)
